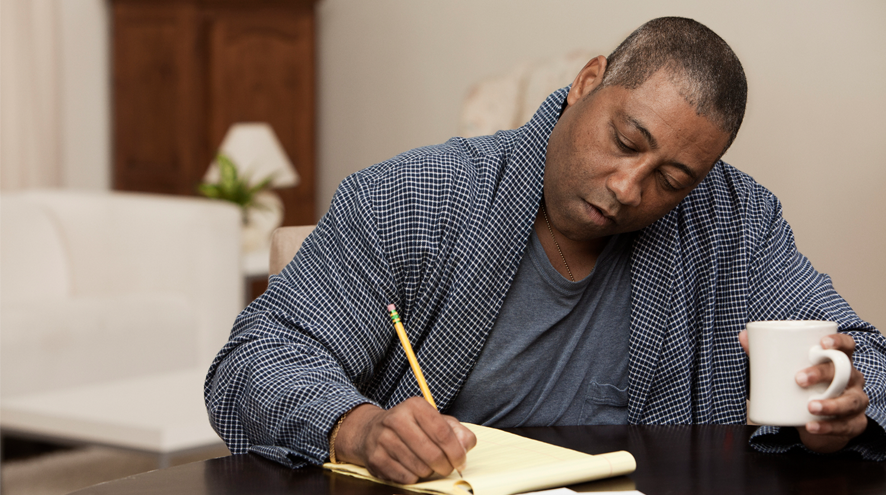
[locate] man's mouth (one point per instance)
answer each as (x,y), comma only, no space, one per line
(598,215)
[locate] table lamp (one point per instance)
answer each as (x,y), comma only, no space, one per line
(257,154)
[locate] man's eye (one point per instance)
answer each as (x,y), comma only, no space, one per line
(667,183)
(624,146)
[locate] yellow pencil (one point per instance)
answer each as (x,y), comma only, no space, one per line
(410,355)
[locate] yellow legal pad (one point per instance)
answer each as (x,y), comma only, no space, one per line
(503,463)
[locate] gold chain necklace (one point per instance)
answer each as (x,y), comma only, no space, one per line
(544,212)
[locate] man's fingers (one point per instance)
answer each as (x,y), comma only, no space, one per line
(443,451)
(842,428)
(426,443)
(414,464)
(820,373)
(843,417)
(824,372)
(466,437)
(382,464)
(391,458)
(743,340)
(840,342)
(423,451)
(410,441)
(830,435)
(853,402)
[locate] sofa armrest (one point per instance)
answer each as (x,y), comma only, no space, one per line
(124,243)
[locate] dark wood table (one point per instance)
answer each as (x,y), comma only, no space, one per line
(670,460)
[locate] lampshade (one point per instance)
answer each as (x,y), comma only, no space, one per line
(257,153)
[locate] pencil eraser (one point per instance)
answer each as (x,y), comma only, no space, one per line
(391,307)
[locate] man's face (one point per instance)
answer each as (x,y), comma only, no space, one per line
(620,159)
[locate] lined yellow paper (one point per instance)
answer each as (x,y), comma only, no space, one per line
(503,463)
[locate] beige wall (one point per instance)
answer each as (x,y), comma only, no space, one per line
(393,74)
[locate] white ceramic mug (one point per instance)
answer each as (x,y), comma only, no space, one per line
(778,350)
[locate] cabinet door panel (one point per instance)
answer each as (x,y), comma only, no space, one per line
(157,98)
(257,71)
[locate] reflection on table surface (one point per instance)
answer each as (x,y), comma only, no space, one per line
(670,460)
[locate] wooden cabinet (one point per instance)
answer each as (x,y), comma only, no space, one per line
(185,70)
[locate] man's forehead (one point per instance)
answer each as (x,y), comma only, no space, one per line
(669,80)
(664,118)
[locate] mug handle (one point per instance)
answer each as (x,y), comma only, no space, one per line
(842,368)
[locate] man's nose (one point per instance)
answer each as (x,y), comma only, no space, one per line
(626,184)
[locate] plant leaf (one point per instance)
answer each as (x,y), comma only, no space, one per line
(234,187)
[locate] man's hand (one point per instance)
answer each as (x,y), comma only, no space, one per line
(848,418)
(403,444)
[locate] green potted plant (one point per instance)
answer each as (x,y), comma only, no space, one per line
(235,188)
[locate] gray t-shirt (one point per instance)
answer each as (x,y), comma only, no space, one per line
(558,352)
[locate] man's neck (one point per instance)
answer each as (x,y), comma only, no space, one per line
(566,255)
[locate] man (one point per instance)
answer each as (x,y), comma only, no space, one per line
(596,265)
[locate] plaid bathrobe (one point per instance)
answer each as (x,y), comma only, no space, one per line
(440,231)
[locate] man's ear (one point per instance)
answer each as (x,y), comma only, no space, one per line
(587,79)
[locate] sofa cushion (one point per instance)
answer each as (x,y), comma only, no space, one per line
(90,339)
(33,260)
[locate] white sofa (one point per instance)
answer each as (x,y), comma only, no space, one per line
(508,100)
(101,291)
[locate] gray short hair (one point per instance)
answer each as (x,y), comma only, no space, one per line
(706,70)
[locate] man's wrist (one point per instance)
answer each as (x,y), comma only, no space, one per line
(334,436)
(350,431)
